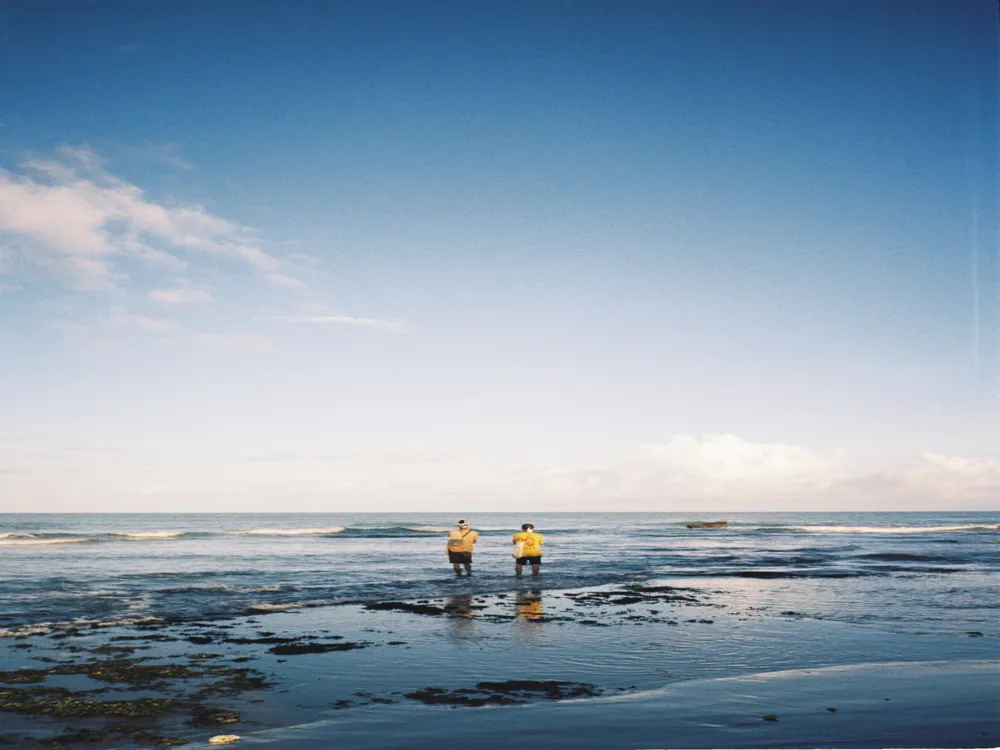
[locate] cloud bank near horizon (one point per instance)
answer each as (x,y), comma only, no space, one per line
(726,471)
(711,473)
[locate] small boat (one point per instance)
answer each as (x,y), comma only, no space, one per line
(707,524)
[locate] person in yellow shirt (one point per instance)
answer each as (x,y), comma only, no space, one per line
(531,549)
(461,542)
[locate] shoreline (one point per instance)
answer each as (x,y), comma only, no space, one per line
(574,661)
(842,707)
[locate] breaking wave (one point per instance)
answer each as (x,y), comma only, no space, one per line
(891,529)
(287,532)
(29,540)
(43,628)
(262,607)
(428,529)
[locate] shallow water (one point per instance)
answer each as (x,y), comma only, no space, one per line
(903,572)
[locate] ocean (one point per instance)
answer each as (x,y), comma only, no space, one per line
(847,630)
(898,572)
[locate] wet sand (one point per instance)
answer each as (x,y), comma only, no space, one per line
(649,665)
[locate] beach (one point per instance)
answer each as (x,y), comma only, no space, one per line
(641,659)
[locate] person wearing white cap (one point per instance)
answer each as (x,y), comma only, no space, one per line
(461,542)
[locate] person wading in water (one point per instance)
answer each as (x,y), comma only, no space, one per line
(461,542)
(528,546)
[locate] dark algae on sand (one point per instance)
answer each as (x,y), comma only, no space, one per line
(187,686)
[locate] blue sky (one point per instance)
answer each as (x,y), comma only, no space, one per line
(480,256)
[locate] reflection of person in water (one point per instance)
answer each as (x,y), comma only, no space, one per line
(460,605)
(461,614)
(528,604)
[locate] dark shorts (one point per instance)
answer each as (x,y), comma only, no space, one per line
(460,557)
(536,560)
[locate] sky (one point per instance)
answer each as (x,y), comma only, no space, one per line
(476,256)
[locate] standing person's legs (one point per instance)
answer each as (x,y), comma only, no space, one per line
(536,568)
(519,566)
(458,569)
(468,568)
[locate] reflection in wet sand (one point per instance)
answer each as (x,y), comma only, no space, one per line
(461,614)
(528,610)
(528,604)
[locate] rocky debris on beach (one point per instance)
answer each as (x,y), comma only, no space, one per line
(504,693)
(62,702)
(205,717)
(187,683)
(638,594)
(119,732)
(132,672)
(192,683)
(507,693)
(413,608)
(314,648)
(620,602)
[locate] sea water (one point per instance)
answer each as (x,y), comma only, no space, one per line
(916,573)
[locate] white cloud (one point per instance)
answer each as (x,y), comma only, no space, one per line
(725,472)
(286,281)
(70,215)
(251,343)
(181,296)
(72,327)
(727,459)
(933,475)
(391,325)
(119,318)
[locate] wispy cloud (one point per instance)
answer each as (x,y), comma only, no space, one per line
(250,343)
(87,447)
(384,458)
(335,320)
(119,318)
(69,215)
(181,296)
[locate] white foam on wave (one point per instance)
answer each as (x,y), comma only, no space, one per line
(42,628)
(288,532)
(227,587)
(428,529)
(894,529)
(139,536)
(21,542)
(264,607)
